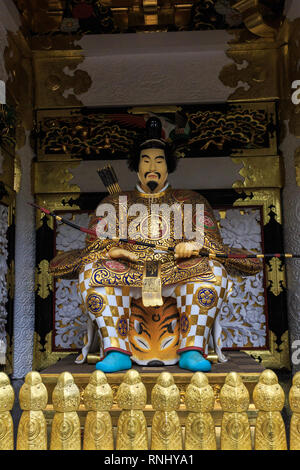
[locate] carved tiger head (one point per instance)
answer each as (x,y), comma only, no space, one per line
(154,333)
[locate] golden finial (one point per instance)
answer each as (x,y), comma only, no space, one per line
(235,429)
(132,393)
(33,398)
(199,426)
(268,398)
(294,400)
(98,400)
(268,394)
(166,429)
(132,426)
(7,398)
(65,432)
(98,394)
(165,395)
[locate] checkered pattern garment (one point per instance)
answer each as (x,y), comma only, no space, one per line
(108,308)
(198,304)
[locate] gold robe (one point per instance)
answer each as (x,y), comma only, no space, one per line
(108,272)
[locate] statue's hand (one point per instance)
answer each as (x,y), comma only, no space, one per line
(122,253)
(186,249)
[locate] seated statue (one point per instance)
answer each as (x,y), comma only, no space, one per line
(153,265)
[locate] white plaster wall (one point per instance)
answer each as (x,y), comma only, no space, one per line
(161,68)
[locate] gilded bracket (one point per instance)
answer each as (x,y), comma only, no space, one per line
(267,198)
(251,11)
(259,172)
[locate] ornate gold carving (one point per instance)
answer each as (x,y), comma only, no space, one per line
(17,173)
(17,57)
(44,281)
(276,276)
(65,432)
(132,426)
(199,426)
(294,400)
(166,429)
(7,169)
(54,178)
(32,430)
(7,398)
(259,172)
(98,400)
(10,279)
(269,398)
(235,429)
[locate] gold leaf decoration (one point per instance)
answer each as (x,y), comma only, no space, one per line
(276,276)
(43,279)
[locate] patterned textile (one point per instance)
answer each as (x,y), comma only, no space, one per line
(198,305)
(107,272)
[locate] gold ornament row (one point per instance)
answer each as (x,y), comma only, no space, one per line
(166,428)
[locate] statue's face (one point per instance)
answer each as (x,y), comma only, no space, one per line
(153,170)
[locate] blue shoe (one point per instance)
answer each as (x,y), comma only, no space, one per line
(193,360)
(114,361)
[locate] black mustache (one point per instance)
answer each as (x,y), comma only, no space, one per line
(152,172)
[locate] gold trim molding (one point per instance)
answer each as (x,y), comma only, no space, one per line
(50,177)
(276,276)
(259,172)
(45,357)
(44,280)
(297,165)
(251,11)
(276,357)
(256,70)
(269,199)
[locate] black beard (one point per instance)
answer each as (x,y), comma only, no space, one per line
(152,185)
